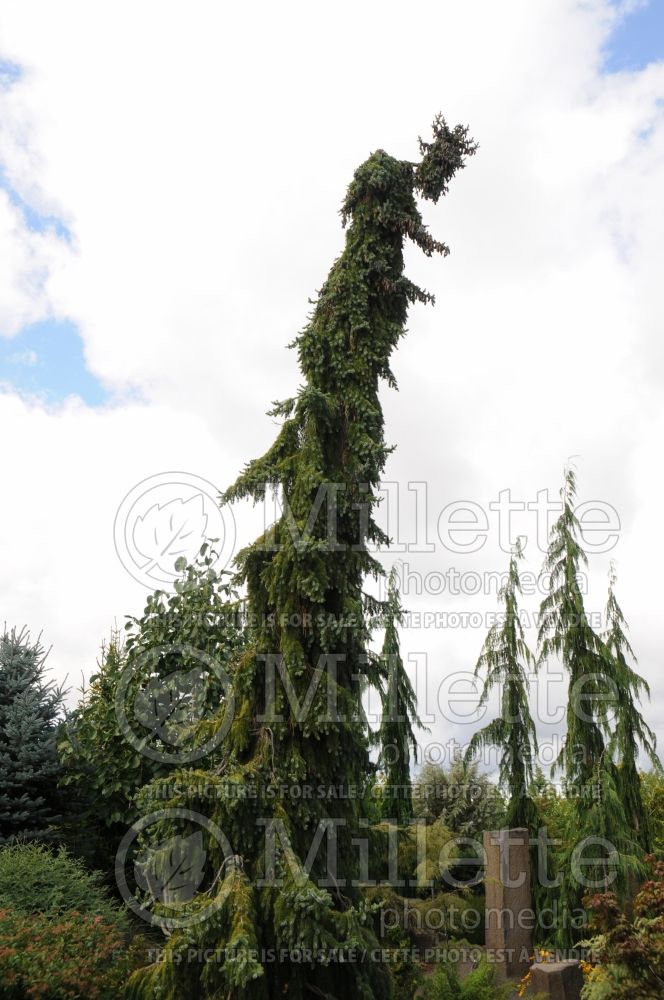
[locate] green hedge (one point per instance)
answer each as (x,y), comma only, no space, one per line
(33,879)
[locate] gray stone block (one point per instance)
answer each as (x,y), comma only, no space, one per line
(557,980)
(509,917)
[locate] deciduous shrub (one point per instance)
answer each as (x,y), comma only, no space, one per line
(463,799)
(628,948)
(71,956)
(103,770)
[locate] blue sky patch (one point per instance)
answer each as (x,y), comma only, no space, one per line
(637,40)
(46,360)
(9,73)
(33,219)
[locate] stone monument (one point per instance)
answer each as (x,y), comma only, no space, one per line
(558,980)
(509,916)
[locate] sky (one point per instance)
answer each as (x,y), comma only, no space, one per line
(170,180)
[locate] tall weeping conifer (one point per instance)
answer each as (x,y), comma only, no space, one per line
(399,710)
(506,660)
(631,730)
(304,580)
(565,633)
(601,836)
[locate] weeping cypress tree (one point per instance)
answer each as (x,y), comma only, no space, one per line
(304,580)
(399,710)
(631,730)
(566,633)
(600,833)
(506,659)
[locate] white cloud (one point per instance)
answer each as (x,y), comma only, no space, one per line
(66,472)
(27,258)
(29,358)
(198,155)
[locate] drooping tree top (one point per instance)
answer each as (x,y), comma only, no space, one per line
(361,309)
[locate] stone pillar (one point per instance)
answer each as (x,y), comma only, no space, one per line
(558,980)
(509,917)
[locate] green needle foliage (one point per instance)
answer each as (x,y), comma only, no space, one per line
(600,835)
(36,879)
(308,613)
(631,730)
(506,659)
(31,709)
(565,633)
(399,709)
